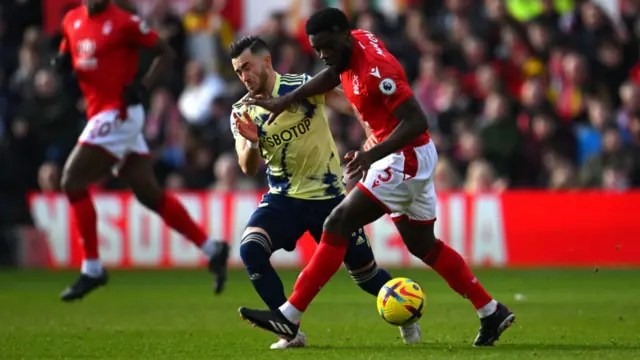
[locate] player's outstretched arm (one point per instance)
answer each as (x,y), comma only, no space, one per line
(320,84)
(336,100)
(413,123)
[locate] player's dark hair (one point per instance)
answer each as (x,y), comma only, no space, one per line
(328,19)
(253,43)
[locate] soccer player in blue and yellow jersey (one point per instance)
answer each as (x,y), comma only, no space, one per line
(305,178)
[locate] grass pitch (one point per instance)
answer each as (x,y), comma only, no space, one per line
(561,314)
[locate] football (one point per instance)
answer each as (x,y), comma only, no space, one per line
(401,301)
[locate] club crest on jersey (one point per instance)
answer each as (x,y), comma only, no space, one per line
(387,86)
(107,27)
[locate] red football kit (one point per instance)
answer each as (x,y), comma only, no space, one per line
(401,183)
(375,84)
(104,49)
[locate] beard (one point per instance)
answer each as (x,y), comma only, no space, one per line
(259,91)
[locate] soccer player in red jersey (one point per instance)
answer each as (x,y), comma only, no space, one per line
(101,44)
(398,174)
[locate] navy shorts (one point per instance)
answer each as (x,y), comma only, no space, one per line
(286,219)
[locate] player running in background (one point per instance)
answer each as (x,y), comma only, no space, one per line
(101,43)
(305,179)
(398,179)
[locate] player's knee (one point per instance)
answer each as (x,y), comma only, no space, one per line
(255,250)
(149,198)
(70,183)
(336,222)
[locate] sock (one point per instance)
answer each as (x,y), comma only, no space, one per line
(210,247)
(176,216)
(86,220)
(452,267)
(92,267)
(372,280)
(325,262)
(255,253)
(488,309)
(291,312)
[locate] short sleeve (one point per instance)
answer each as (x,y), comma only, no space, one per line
(139,32)
(392,85)
(64,46)
(317,99)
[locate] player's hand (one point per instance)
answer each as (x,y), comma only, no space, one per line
(61,63)
(247,128)
(134,93)
(358,165)
(371,142)
(275,105)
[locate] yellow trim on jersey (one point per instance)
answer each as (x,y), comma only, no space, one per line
(302,158)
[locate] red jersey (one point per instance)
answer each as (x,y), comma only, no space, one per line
(375,84)
(104,49)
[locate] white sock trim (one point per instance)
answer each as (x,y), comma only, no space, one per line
(92,267)
(290,312)
(488,309)
(209,247)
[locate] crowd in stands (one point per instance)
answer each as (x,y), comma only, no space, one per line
(517,96)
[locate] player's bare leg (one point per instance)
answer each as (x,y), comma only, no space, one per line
(86,165)
(419,238)
(137,172)
(353,213)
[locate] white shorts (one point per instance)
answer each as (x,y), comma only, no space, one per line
(402,184)
(117,137)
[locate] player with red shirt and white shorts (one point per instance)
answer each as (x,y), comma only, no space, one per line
(101,44)
(398,171)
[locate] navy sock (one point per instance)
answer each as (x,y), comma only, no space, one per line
(255,252)
(372,280)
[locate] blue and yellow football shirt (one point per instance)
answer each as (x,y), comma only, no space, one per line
(301,156)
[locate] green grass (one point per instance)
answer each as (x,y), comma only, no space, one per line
(565,314)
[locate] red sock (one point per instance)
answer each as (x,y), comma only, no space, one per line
(85,218)
(452,267)
(324,263)
(176,216)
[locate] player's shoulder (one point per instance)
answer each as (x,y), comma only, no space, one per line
(74,14)
(294,79)
(237,106)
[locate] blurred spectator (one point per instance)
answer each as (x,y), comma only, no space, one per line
(49,177)
(169,27)
(200,89)
(481,178)
(228,176)
(614,155)
(51,115)
(445,177)
(209,33)
(501,139)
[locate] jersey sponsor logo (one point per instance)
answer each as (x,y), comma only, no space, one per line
(107,27)
(86,49)
(289,134)
(387,86)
